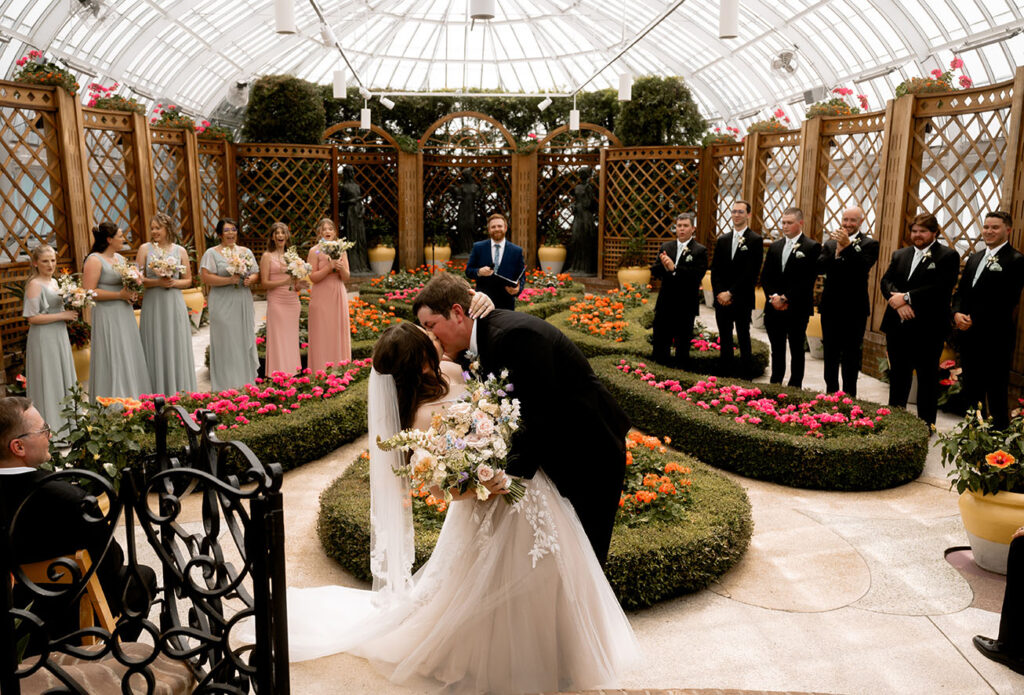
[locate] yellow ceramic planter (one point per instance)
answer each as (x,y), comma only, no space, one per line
(635,275)
(551,258)
(437,255)
(381,259)
(990,521)
(81,357)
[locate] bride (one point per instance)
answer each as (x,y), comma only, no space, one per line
(512,600)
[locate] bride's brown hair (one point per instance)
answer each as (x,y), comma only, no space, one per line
(402,351)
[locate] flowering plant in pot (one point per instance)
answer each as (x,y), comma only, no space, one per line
(717,136)
(35,69)
(170,116)
(101,97)
(838,105)
(778,123)
(207,131)
(939,81)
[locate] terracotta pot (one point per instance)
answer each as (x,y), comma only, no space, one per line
(381,259)
(990,521)
(636,275)
(551,258)
(194,300)
(81,356)
(437,255)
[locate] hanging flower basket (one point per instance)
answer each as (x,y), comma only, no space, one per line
(101,97)
(717,136)
(205,131)
(171,117)
(940,82)
(34,69)
(778,123)
(838,105)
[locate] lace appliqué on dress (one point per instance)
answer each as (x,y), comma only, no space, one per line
(534,506)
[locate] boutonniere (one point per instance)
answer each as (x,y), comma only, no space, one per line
(926,255)
(993,264)
(742,246)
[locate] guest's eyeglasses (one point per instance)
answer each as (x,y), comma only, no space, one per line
(45,430)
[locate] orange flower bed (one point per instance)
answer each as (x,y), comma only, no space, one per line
(603,316)
(367,321)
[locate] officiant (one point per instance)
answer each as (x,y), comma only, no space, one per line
(497,265)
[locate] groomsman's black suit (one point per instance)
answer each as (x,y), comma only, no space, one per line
(678,300)
(845,308)
(987,346)
(738,276)
(795,282)
(570,425)
(916,345)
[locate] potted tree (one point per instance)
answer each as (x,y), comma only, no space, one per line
(551,253)
(986,468)
(382,253)
(436,250)
(632,267)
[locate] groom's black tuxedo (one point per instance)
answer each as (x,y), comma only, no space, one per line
(570,425)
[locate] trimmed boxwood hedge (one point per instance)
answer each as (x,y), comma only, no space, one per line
(646,564)
(893,456)
(639,344)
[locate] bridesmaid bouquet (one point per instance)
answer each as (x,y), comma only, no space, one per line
(336,247)
(295,266)
(166,265)
(240,264)
(131,276)
(466,445)
(71,291)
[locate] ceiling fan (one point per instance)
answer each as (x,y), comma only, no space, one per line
(785,60)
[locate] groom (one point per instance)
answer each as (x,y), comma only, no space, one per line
(570,425)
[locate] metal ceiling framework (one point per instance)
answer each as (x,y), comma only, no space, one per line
(190,51)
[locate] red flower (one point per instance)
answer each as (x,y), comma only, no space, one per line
(965,81)
(937,74)
(779,113)
(956,63)
(999,459)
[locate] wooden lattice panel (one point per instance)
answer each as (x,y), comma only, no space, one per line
(377,176)
(727,184)
(778,162)
(114,187)
(848,169)
(440,181)
(957,168)
(557,176)
(213,185)
(287,183)
(467,133)
(645,188)
(350,138)
(170,179)
(589,139)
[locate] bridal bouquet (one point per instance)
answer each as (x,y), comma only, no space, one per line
(240,264)
(70,289)
(336,247)
(166,265)
(466,445)
(131,276)
(295,266)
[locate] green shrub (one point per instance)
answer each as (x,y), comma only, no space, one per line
(645,565)
(890,457)
(283,108)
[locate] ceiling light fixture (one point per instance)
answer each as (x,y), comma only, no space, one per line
(546,102)
(364,117)
(480,9)
(284,16)
(574,116)
(327,35)
(728,19)
(625,87)
(387,103)
(339,85)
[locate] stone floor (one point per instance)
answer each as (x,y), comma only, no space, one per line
(839,593)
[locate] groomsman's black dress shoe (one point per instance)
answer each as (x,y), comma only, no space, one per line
(997,651)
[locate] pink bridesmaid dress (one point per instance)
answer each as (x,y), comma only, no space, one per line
(282,324)
(330,338)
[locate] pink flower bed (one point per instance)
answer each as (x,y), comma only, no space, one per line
(530,295)
(823,415)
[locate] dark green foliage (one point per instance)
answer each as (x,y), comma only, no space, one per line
(893,456)
(283,108)
(645,565)
(662,112)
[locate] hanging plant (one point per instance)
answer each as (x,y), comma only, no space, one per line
(35,69)
(171,117)
(940,82)
(838,105)
(716,136)
(206,131)
(101,97)
(778,123)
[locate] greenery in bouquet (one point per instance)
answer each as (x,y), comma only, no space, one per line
(939,81)
(717,136)
(778,123)
(101,97)
(838,105)
(79,333)
(35,69)
(982,458)
(170,116)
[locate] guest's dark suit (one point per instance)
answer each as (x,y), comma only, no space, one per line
(511,266)
(916,345)
(738,276)
(570,425)
(795,282)
(678,300)
(987,346)
(845,308)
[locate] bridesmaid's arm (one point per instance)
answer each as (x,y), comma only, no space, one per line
(91,279)
(213,280)
(265,280)
(318,273)
(341,265)
(33,291)
(253,278)
(185,281)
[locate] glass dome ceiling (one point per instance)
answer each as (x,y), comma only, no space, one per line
(190,52)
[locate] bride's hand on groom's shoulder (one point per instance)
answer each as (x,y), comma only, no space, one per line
(480,305)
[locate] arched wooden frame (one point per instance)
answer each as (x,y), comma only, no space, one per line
(612,138)
(510,141)
(344,125)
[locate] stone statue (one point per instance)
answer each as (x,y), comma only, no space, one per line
(351,204)
(468,191)
(583,237)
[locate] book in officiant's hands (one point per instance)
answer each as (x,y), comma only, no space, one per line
(509,281)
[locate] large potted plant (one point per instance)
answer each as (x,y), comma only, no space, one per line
(632,268)
(551,252)
(987,472)
(382,253)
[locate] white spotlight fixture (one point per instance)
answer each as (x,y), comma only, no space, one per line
(625,87)
(544,104)
(327,35)
(284,16)
(574,120)
(365,93)
(364,118)
(481,9)
(728,19)
(387,103)
(340,84)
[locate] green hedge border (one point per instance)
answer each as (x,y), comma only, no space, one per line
(892,457)
(640,345)
(646,564)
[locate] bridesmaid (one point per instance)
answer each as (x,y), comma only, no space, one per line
(283,306)
(117,366)
(164,324)
(49,367)
(233,360)
(330,339)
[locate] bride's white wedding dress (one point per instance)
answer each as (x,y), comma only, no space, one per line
(512,600)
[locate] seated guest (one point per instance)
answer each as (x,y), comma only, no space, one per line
(983,310)
(52,522)
(493,262)
(680,266)
(1008,649)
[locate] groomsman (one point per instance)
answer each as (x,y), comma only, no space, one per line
(983,312)
(790,269)
(918,285)
(497,265)
(734,270)
(680,266)
(846,260)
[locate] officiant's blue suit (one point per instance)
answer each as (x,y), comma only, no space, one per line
(511,266)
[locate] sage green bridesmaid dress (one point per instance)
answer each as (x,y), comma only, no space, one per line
(233,358)
(167,332)
(49,366)
(117,364)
